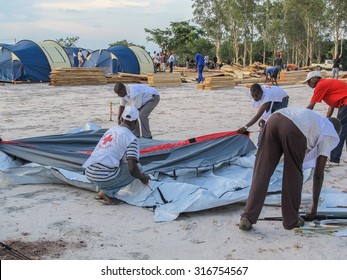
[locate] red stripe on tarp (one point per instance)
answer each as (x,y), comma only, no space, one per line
(17,143)
(203,138)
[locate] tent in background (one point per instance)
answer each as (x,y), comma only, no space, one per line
(72,52)
(30,60)
(56,54)
(103,59)
(127,58)
(11,68)
(33,62)
(144,59)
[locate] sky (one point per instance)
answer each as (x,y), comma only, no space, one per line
(97,23)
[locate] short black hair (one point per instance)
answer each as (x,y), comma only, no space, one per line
(118,87)
(256,88)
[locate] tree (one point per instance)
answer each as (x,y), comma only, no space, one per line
(163,38)
(182,37)
(68,41)
(125,43)
(338,22)
(209,14)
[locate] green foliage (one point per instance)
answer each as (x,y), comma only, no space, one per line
(68,41)
(254,30)
(125,43)
(182,38)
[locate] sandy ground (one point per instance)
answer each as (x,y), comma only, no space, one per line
(62,222)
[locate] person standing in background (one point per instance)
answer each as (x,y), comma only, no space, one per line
(81,58)
(200,64)
(171,61)
(336,67)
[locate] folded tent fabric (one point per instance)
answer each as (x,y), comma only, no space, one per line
(70,151)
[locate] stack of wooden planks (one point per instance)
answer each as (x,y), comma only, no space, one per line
(217,82)
(126,78)
(293,77)
(164,79)
(77,76)
(296,77)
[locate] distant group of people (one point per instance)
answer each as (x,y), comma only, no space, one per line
(161,61)
(302,136)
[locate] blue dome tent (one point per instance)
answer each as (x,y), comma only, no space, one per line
(103,59)
(127,58)
(72,52)
(31,62)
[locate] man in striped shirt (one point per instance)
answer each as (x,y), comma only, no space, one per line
(113,163)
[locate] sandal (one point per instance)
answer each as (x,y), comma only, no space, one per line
(107,200)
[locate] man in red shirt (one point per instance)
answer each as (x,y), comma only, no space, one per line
(334,93)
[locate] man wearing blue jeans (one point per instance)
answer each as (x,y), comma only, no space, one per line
(200,64)
(334,93)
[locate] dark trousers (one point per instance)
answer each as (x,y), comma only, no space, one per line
(335,154)
(280,137)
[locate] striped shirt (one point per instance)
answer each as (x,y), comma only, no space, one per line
(100,172)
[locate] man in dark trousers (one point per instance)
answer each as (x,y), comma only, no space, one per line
(305,138)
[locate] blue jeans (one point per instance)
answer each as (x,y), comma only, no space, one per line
(335,154)
(335,73)
(200,70)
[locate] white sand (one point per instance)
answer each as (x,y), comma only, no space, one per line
(83,228)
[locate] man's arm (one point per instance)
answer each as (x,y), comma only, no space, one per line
(255,118)
(135,171)
(330,111)
(120,112)
(311,105)
(318,178)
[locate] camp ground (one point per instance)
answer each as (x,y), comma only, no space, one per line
(201,174)
(28,61)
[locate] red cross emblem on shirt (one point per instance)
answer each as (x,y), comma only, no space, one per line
(108,138)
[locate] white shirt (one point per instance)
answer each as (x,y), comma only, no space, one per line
(171,58)
(112,146)
(80,56)
(320,133)
(270,94)
(138,95)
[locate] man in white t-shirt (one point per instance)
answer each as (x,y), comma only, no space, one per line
(113,163)
(142,97)
(267,99)
(306,139)
(80,57)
